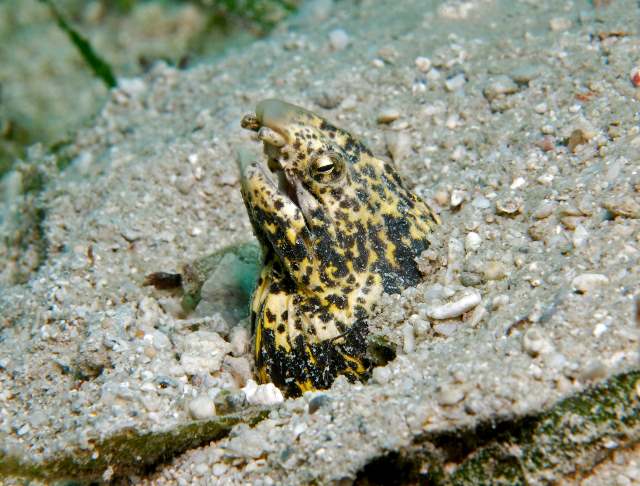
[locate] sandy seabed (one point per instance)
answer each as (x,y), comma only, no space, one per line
(517,120)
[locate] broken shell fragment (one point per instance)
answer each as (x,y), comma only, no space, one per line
(588,282)
(509,206)
(578,137)
(267,135)
(456,308)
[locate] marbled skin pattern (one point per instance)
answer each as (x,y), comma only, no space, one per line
(337,229)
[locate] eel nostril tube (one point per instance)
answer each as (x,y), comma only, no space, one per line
(250,122)
(267,135)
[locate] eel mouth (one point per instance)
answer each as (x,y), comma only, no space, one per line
(270,121)
(285,187)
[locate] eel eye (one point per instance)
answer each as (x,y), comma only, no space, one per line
(326,167)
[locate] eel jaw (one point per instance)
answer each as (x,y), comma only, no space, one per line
(274,122)
(269,121)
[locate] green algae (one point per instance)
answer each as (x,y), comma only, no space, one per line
(99,66)
(128,451)
(565,441)
(227,24)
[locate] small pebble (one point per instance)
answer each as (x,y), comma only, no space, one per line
(500,86)
(203,352)
(556,361)
(614,169)
(433,75)
(472,241)
(441,197)
(132,86)
(546,179)
(538,231)
(107,474)
(575,108)
(219,469)
(449,395)
(519,261)
(570,222)
(527,73)
(202,408)
(494,270)
(535,343)
(509,206)
(12,183)
(455,83)
(558,24)
(299,429)
(599,330)
(267,394)
(240,368)
(446,329)
(408,339)
(338,39)
(457,197)
(481,202)
(317,402)
(381,374)
(577,138)
(624,207)
(594,370)
(476,316)
(499,301)
(470,279)
(350,102)
(588,282)
(399,125)
(327,99)
(160,340)
(421,327)
(388,54)
(185,182)
(418,85)
(544,210)
(535,371)
(635,76)
(388,114)
(580,236)
(518,182)
(423,64)
(622,480)
(239,339)
(633,471)
(227,402)
(540,108)
(398,145)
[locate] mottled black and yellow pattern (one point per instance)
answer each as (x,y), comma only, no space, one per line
(337,229)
